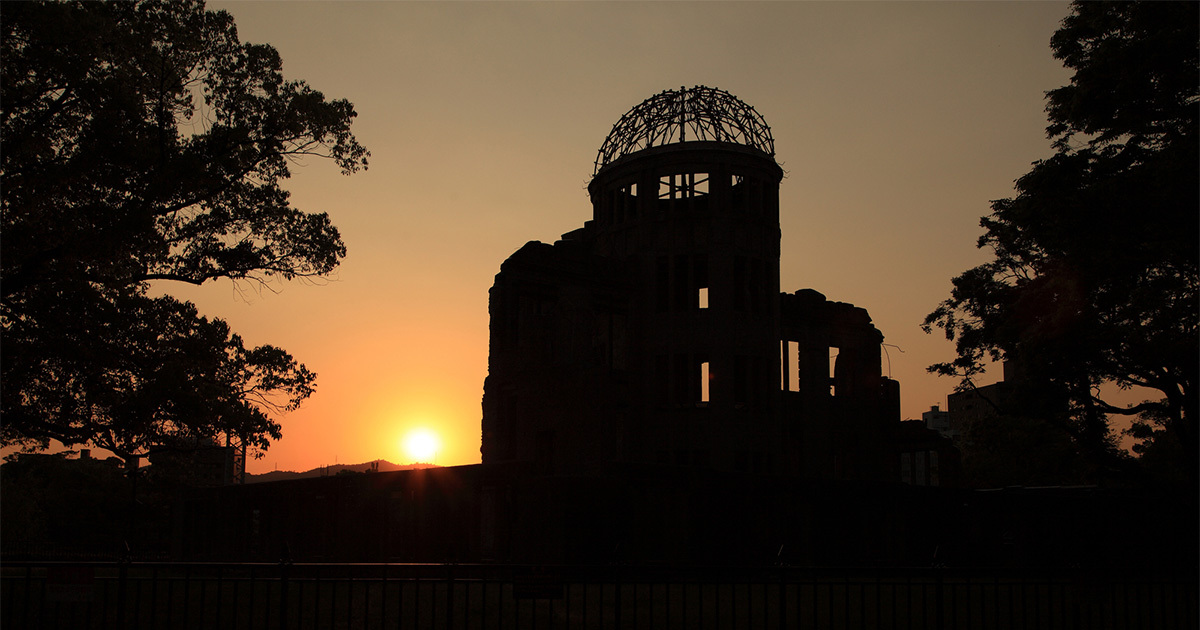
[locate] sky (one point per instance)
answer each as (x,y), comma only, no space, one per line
(895,123)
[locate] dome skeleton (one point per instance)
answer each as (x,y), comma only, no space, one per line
(688,115)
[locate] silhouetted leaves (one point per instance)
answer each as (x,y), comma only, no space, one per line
(1096,265)
(143,142)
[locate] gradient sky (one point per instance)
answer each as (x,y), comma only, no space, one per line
(895,124)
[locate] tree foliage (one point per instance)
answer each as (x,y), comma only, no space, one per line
(1094,279)
(144,142)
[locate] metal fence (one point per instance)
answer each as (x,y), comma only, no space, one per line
(149,595)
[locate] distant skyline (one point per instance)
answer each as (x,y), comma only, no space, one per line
(895,123)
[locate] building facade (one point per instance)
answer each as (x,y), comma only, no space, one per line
(657,333)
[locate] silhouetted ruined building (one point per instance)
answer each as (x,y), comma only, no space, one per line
(652,398)
(656,333)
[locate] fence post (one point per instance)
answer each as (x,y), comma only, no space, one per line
(618,577)
(122,579)
(28,587)
(940,609)
(782,594)
(285,562)
(449,595)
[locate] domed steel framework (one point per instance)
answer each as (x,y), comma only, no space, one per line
(697,114)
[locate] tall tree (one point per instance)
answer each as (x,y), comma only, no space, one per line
(1094,279)
(144,142)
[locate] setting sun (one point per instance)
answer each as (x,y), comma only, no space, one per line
(422,445)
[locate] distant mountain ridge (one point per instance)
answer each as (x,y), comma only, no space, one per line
(379,465)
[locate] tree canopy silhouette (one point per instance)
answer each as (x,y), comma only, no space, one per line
(144,142)
(1095,271)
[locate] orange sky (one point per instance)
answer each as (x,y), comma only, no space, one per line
(895,123)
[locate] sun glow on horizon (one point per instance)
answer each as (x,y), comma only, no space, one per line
(422,446)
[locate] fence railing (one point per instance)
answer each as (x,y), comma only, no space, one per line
(285,596)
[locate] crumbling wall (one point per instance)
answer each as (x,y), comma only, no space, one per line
(557,358)
(839,410)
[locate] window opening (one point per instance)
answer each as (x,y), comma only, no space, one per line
(737,192)
(833,354)
(682,185)
(704,382)
(791,366)
(700,278)
(627,203)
